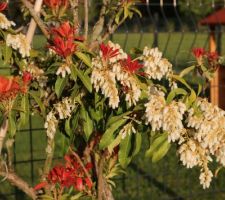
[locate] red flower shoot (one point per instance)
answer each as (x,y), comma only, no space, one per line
(198,52)
(3,6)
(131,66)
(70,174)
(53,4)
(63,39)
(9,88)
(64,30)
(212,56)
(63,47)
(108,52)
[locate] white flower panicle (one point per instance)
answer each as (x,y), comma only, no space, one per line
(51,125)
(65,108)
(19,42)
(106,74)
(154,109)
(127,130)
(63,70)
(5,23)
(205,178)
(105,80)
(167,117)
(155,66)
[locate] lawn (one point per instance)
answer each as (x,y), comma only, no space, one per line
(164,180)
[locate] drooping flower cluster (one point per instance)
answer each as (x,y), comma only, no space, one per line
(155,66)
(114,65)
(62,109)
(163,116)
(71,174)
(205,137)
(19,42)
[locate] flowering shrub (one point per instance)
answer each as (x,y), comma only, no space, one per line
(103,101)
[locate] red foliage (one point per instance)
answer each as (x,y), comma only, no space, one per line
(108,52)
(63,38)
(198,52)
(131,66)
(67,175)
(3,6)
(56,3)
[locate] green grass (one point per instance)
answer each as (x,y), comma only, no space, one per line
(133,186)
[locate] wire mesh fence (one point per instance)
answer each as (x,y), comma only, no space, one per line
(174,27)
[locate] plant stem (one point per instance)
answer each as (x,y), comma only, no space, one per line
(19,183)
(3,131)
(37,19)
(33,24)
(85,19)
(100,179)
(81,164)
(74,6)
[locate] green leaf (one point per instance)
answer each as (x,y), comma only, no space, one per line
(115,143)
(138,141)
(7,53)
(186,71)
(161,152)
(191,98)
(87,122)
(114,119)
(60,85)
(25,113)
(84,78)
(108,136)
(199,89)
(181,80)
(67,127)
(174,93)
(12,124)
(125,147)
(76,196)
(84,58)
(36,98)
(156,143)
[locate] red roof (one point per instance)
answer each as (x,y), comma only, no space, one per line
(215,18)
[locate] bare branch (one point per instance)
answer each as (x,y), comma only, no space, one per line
(37,19)
(81,164)
(19,183)
(85,19)
(3,131)
(98,27)
(74,6)
(33,24)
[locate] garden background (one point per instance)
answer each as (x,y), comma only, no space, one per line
(174,27)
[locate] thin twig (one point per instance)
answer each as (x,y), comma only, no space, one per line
(85,19)
(3,131)
(100,179)
(74,7)
(19,183)
(37,19)
(81,163)
(98,27)
(33,24)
